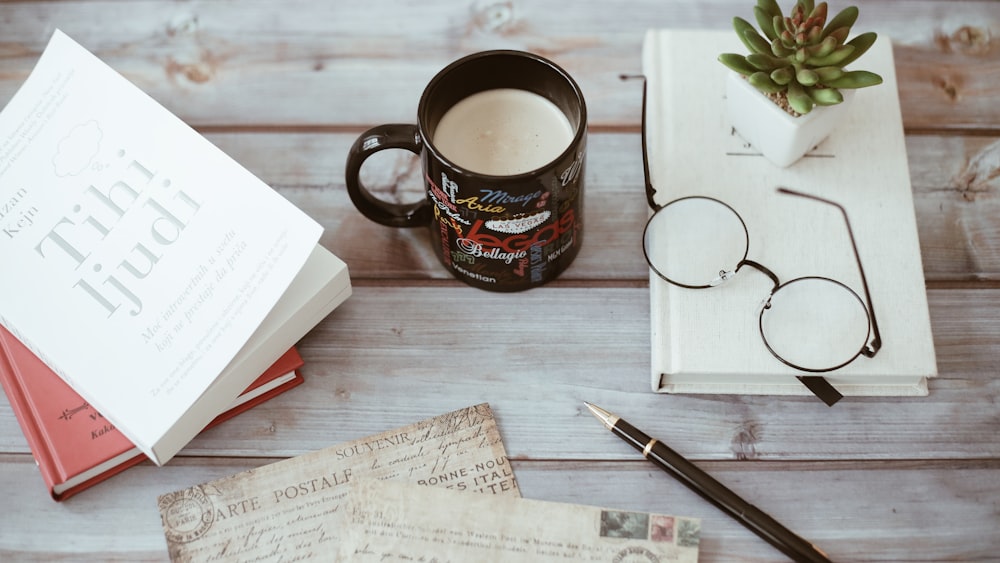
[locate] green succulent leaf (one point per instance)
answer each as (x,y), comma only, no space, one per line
(845,18)
(782,76)
(807,6)
(760,61)
(835,58)
(828,73)
(861,44)
(855,79)
(806,77)
(826,96)
(742,26)
(779,50)
(813,36)
(770,7)
(824,47)
(778,23)
(819,12)
(799,99)
(763,82)
(787,40)
(757,43)
(737,63)
(840,34)
(764,22)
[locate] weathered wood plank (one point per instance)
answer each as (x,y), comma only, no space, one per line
(955,183)
(865,512)
(227,63)
(858,511)
(592,344)
(430,350)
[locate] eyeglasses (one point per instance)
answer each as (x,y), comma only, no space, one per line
(813,324)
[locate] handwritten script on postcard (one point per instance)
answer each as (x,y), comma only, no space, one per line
(395,522)
(290,510)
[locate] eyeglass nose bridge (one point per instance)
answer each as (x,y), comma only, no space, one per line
(762,269)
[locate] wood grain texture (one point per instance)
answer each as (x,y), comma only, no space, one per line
(867,512)
(406,349)
(285,88)
(227,63)
(955,184)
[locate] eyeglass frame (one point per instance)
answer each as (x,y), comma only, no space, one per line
(817,384)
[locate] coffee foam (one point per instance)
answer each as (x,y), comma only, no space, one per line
(503,132)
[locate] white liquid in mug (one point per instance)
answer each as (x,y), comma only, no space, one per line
(503,132)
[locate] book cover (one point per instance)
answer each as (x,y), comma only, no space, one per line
(708,340)
(74,446)
(136,239)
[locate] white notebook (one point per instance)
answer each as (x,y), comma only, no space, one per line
(708,340)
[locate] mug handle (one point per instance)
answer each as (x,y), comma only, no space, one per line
(390,136)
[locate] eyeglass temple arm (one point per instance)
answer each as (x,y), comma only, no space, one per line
(876,342)
(650,190)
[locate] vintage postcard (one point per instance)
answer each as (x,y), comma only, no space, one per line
(290,510)
(390,522)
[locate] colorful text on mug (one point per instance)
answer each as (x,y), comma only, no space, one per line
(502,141)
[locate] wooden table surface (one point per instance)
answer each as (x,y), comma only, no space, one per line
(285,88)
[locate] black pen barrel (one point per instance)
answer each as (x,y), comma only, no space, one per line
(721,496)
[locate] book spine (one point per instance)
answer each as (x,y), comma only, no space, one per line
(41,450)
(666,327)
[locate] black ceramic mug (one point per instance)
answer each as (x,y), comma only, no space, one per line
(502,140)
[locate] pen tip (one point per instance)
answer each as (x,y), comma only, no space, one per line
(604,416)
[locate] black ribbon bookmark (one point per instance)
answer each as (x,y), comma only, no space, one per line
(821,388)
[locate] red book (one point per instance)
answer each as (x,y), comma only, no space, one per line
(75,447)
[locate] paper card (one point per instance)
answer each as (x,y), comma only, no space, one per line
(394,522)
(290,510)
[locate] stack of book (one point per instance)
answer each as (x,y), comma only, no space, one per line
(159,286)
(74,446)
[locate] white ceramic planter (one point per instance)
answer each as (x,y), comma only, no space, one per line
(780,137)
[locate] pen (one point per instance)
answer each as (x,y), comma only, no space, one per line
(711,490)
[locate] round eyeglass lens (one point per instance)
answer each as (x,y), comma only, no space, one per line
(691,241)
(815,324)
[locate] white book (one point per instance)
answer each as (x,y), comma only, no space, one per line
(708,340)
(143,264)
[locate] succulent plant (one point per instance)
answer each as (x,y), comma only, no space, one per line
(801,56)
